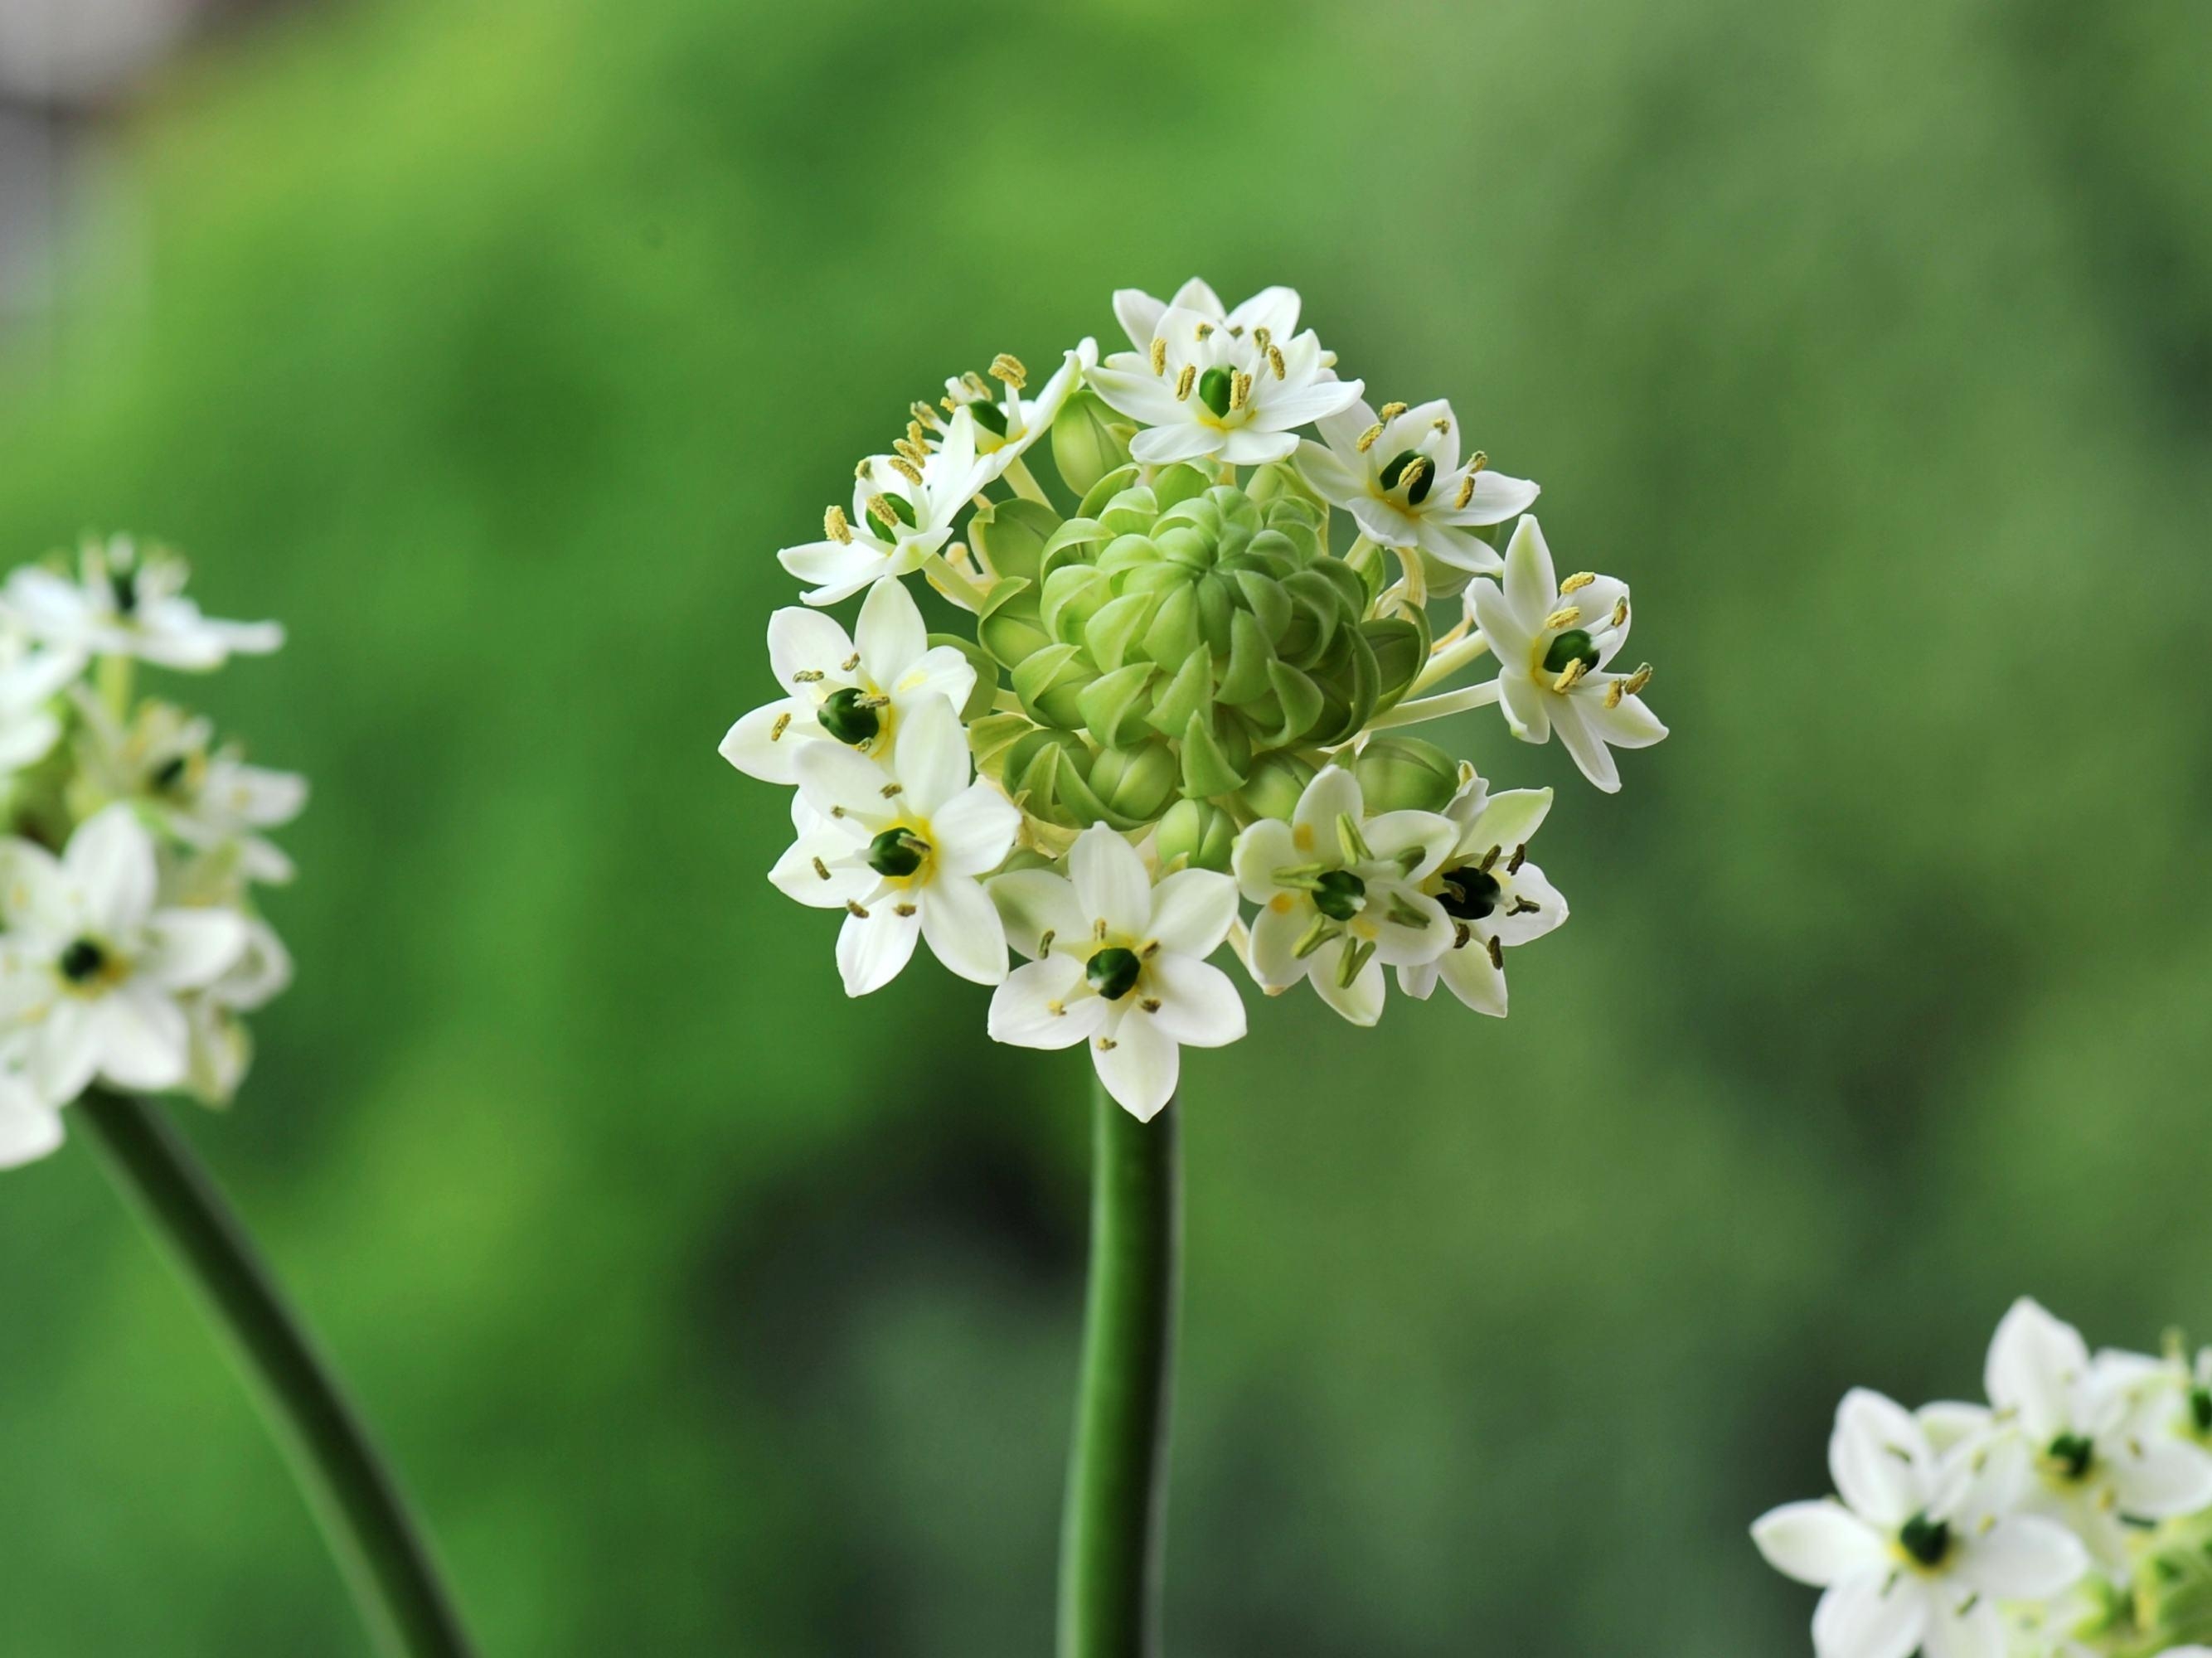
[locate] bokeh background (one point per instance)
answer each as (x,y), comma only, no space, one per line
(495,345)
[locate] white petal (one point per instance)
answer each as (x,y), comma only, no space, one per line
(1878,1458)
(1263,848)
(1332,479)
(1111,884)
(1191,911)
(871,949)
(974,830)
(1140,1069)
(1497,498)
(762,743)
(1527,710)
(801,641)
(110,857)
(1531,587)
(64,1050)
(29,1128)
(1430,836)
(1276,931)
(189,949)
(1022,1009)
(1334,794)
(1969,1629)
(838,569)
(1177,440)
(932,759)
(1199,1005)
(1528,885)
(1466,968)
(1590,753)
(1255,446)
(1817,1543)
(1140,395)
(889,632)
(141,1038)
(1140,314)
(1874,1614)
(34,893)
(844,786)
(963,930)
(818,870)
(1361,1001)
(2023,1558)
(2033,1363)
(1512,639)
(1033,904)
(939,670)
(1275,309)
(2164,1480)
(1508,819)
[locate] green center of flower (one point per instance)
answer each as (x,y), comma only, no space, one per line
(1927,1541)
(1113,972)
(2200,1409)
(167,775)
(2072,1454)
(847,715)
(1572,646)
(83,961)
(896,853)
(1339,895)
(1425,475)
(1215,388)
(123,584)
(989,417)
(1468,894)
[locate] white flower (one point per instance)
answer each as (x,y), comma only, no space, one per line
(30,1129)
(902,512)
(162,762)
(93,970)
(1275,309)
(1493,896)
(1340,893)
(1008,423)
(900,852)
(2073,1417)
(220,1047)
(857,689)
(1553,642)
(126,601)
(29,680)
(1120,964)
(1920,1550)
(1400,475)
(1203,388)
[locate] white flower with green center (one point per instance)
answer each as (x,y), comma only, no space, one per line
(1920,1549)
(900,849)
(1202,390)
(30,679)
(856,690)
(1120,964)
(205,797)
(93,972)
(2072,1419)
(1275,309)
(1493,896)
(1399,474)
(1342,896)
(903,514)
(1555,642)
(1007,423)
(128,601)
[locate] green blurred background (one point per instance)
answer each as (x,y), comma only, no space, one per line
(495,346)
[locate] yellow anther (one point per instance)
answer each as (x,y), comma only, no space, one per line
(1106,1044)
(1204,329)
(782,724)
(856,907)
(849,663)
(1441,423)
(882,511)
(1056,1009)
(1466,493)
(1497,953)
(835,526)
(1416,469)
(1570,674)
(975,383)
(1275,361)
(1367,438)
(902,909)
(822,869)
(1566,616)
(1391,410)
(1098,929)
(910,451)
(1614,692)
(1159,355)
(924,415)
(1637,681)
(891,790)
(1240,388)
(1620,612)
(1575,583)
(905,468)
(866,468)
(1185,381)
(808,676)
(1006,368)
(1262,338)
(1476,462)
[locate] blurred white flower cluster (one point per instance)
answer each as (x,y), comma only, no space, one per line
(130,945)
(1187,682)
(2069,1517)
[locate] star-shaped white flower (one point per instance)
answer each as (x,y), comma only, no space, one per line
(1275,309)
(2076,1421)
(1554,642)
(1120,964)
(1341,895)
(902,512)
(1201,389)
(1007,423)
(900,850)
(1400,475)
(1493,896)
(129,601)
(856,690)
(1921,1548)
(91,971)
(206,797)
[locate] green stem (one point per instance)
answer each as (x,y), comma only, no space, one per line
(1112,1532)
(385,1560)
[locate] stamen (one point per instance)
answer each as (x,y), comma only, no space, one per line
(1460,933)
(1441,424)
(1404,915)
(909,451)
(1348,966)
(1348,837)
(1106,1044)
(1159,355)
(1204,329)
(925,417)
(822,869)
(1391,410)
(1490,860)
(835,526)
(1058,1009)
(854,905)
(1098,929)
(1275,360)
(864,468)
(1568,676)
(1566,616)
(808,676)
(1318,934)
(892,791)
(1614,692)
(1416,470)
(1240,389)
(1185,381)
(782,724)
(1522,907)
(1007,369)
(1519,857)
(1620,612)
(879,701)
(1466,493)
(1149,951)
(1637,681)
(1477,461)
(905,468)
(1149,1004)
(1044,943)
(1367,438)
(850,663)
(1261,337)
(1497,953)
(903,910)
(975,382)
(1575,583)
(881,511)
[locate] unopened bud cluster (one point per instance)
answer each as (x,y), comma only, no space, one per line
(1185,688)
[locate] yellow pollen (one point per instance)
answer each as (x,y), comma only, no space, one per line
(850,663)
(1477,461)
(1367,438)
(1261,337)
(1442,425)
(910,449)
(864,469)
(1006,368)
(809,676)
(1275,360)
(854,905)
(822,869)
(1568,677)
(1106,1044)
(1497,954)
(1620,614)
(1280,903)
(1185,381)
(1466,493)
(902,909)
(1056,1009)
(1391,410)
(1240,389)
(1302,836)
(1204,329)
(1614,692)
(1159,355)
(1636,682)
(1416,469)
(782,724)
(834,525)
(905,468)
(1566,616)
(1575,583)
(924,415)
(880,510)
(974,383)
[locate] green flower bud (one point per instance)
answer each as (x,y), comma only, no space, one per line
(987,675)
(1009,537)
(1113,972)
(1202,834)
(1088,441)
(1135,783)
(1404,773)
(848,715)
(1572,646)
(1275,784)
(1051,683)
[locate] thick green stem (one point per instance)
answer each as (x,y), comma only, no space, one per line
(1112,1533)
(385,1558)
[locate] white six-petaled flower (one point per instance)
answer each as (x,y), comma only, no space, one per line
(1399,475)
(903,514)
(125,600)
(1555,642)
(1493,896)
(1120,964)
(1007,423)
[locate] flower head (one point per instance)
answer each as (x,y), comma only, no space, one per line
(1555,642)
(1399,475)
(1120,964)
(129,601)
(1492,895)
(165,761)
(903,514)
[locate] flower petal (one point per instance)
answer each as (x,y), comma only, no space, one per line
(1591,755)
(190,949)
(1466,968)
(141,1038)
(1023,1008)
(1111,884)
(1264,847)
(1199,1005)
(1334,794)
(1873,1614)
(1531,586)
(762,743)
(2023,1558)
(889,632)
(1361,1001)
(1191,911)
(1140,1066)
(111,858)
(974,830)
(1817,1543)
(803,641)
(2035,1361)
(872,949)
(2161,1479)
(1878,1457)
(1036,904)
(931,759)
(29,1128)
(964,929)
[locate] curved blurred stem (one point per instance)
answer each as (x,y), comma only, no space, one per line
(1112,1532)
(385,1558)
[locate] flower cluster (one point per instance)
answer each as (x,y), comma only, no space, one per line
(2069,1517)
(129,945)
(1186,683)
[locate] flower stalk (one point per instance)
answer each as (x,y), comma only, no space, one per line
(1114,1529)
(379,1549)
